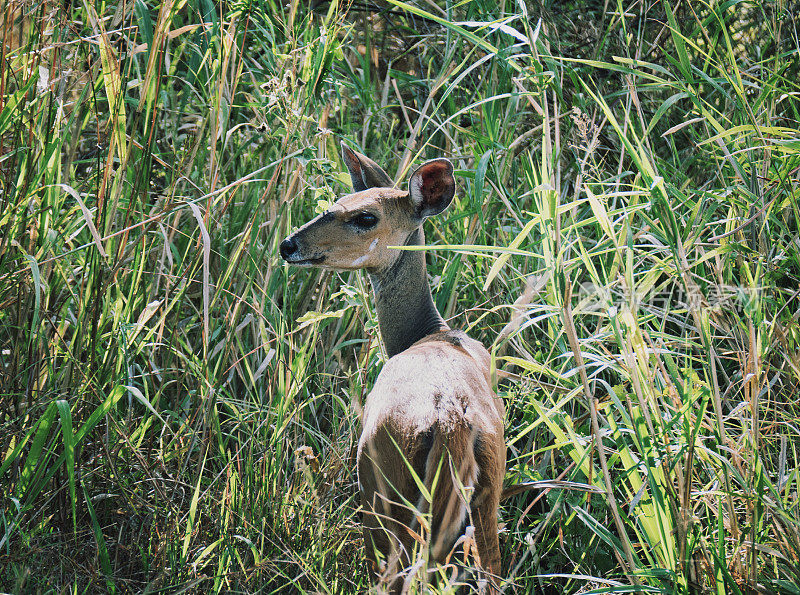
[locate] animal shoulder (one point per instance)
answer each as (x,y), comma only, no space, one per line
(441,355)
(441,371)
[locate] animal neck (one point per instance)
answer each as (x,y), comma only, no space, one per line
(406,312)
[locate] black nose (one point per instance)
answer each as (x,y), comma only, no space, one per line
(288,247)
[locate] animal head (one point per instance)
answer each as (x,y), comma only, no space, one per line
(357,230)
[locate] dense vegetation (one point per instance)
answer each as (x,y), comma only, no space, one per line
(178,409)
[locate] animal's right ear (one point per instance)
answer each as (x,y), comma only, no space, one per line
(364,172)
(432,187)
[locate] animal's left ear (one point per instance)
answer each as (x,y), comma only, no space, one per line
(364,172)
(432,187)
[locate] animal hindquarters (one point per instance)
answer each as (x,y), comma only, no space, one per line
(450,476)
(467,492)
(461,476)
(388,499)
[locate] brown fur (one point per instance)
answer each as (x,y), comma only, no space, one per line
(458,405)
(432,412)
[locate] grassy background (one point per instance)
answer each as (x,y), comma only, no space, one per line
(178,409)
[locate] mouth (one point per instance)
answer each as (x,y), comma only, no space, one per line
(306,262)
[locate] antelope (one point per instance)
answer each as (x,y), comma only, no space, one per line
(432,417)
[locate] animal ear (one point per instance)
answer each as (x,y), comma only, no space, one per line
(432,187)
(364,172)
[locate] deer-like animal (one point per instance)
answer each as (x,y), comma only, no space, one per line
(432,416)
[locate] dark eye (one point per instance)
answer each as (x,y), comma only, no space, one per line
(364,220)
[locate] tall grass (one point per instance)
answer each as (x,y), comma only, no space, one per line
(179,409)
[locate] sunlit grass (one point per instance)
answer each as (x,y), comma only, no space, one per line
(627,200)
